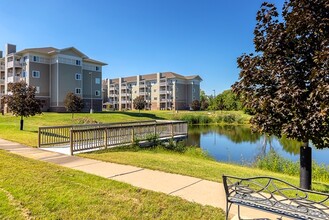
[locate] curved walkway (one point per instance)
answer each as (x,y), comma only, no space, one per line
(190,188)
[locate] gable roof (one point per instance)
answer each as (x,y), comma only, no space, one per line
(44,50)
(53,50)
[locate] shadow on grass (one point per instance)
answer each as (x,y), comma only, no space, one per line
(135,114)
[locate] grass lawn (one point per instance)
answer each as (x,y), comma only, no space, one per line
(9,125)
(192,163)
(31,189)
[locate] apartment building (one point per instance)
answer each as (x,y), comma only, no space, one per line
(161,91)
(53,72)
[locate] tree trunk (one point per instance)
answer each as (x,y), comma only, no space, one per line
(305,166)
(22,123)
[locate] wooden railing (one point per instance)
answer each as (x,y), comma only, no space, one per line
(60,135)
(96,136)
(116,135)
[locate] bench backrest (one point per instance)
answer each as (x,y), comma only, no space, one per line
(272,193)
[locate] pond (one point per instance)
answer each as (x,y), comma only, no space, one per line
(238,144)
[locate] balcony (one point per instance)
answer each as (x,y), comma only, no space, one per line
(2,68)
(2,81)
(13,79)
(12,64)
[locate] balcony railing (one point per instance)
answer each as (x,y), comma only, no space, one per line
(12,79)
(2,68)
(2,81)
(14,64)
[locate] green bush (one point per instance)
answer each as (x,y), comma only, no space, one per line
(172,145)
(229,118)
(153,139)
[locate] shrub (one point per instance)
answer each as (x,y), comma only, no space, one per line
(229,118)
(179,146)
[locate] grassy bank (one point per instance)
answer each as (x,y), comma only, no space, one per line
(32,189)
(9,125)
(192,162)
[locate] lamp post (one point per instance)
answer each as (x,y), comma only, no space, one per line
(91,92)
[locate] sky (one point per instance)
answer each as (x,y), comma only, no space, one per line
(135,37)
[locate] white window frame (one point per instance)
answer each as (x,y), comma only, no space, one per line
(37,74)
(78,76)
(97,93)
(78,91)
(78,62)
(36,58)
(24,74)
(97,68)
(37,89)
(97,80)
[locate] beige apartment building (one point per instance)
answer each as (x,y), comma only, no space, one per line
(53,72)
(161,91)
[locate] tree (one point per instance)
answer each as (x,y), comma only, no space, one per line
(204,104)
(286,82)
(195,105)
(73,103)
(139,103)
(22,101)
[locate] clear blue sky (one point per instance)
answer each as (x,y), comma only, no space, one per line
(188,37)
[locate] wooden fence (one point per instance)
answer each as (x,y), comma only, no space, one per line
(60,135)
(82,138)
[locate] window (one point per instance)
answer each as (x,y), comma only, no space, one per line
(78,62)
(97,93)
(37,89)
(24,74)
(98,80)
(97,68)
(155,98)
(36,59)
(77,90)
(35,74)
(155,90)
(78,76)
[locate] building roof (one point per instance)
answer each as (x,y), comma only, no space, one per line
(94,61)
(53,50)
(153,76)
(44,50)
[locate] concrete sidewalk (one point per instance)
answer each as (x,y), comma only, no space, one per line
(190,188)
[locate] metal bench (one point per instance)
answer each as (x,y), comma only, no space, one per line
(275,196)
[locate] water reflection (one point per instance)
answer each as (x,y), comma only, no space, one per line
(239,144)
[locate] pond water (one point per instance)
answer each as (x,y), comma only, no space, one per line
(238,144)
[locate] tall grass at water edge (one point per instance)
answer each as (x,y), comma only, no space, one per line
(276,163)
(212,119)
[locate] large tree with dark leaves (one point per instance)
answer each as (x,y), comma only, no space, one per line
(73,103)
(286,81)
(21,101)
(139,103)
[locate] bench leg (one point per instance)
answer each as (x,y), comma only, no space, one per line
(228,207)
(239,212)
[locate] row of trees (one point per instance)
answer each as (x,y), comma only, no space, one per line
(226,100)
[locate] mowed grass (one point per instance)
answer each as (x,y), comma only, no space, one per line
(40,190)
(192,163)
(9,124)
